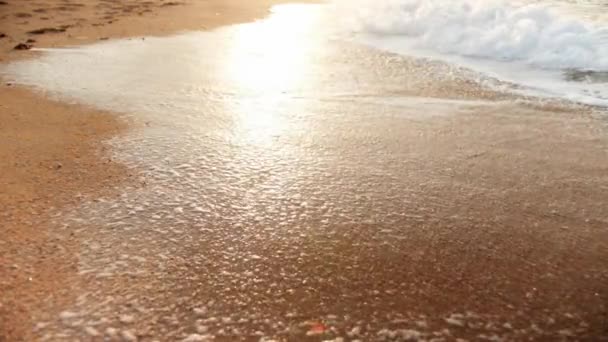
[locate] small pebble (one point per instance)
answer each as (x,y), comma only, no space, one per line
(126,319)
(128,336)
(198,338)
(66,315)
(111,332)
(91,331)
(22,46)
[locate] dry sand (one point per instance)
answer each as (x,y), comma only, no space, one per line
(50,153)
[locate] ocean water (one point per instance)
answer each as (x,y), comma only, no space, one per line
(549,48)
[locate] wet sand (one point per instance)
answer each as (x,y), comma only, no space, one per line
(50,158)
(51,155)
(486,224)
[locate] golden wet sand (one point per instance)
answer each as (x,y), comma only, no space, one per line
(505,209)
(50,153)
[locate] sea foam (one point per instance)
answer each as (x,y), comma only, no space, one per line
(498,30)
(547,50)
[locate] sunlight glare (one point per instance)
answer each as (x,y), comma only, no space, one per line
(268,61)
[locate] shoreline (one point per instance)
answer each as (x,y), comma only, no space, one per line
(52,163)
(498,211)
(53,155)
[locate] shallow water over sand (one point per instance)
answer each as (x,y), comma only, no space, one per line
(293,186)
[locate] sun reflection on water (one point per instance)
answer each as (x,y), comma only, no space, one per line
(267,62)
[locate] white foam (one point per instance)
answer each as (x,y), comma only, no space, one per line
(487,29)
(527,44)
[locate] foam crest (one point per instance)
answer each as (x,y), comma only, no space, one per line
(497,30)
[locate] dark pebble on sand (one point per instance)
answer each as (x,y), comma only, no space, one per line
(171,3)
(44,30)
(22,46)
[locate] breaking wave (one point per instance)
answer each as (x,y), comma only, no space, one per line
(498,30)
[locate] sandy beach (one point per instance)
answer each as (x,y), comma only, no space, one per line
(351,216)
(50,152)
